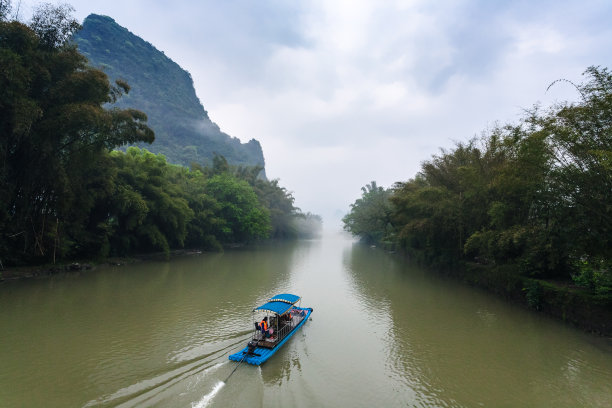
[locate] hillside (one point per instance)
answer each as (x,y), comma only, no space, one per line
(164,91)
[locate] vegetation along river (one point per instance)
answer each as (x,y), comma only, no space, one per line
(383,333)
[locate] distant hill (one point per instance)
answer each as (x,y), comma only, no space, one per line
(164,91)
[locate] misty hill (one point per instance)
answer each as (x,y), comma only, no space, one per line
(164,91)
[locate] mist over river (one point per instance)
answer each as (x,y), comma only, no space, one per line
(384,333)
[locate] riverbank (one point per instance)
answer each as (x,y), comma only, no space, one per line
(28,272)
(47,270)
(561,300)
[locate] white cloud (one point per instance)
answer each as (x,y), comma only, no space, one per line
(536,40)
(341,93)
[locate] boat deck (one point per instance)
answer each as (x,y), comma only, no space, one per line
(275,338)
(266,347)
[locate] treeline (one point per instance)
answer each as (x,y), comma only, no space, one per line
(64,192)
(536,195)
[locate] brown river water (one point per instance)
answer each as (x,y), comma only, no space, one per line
(384,333)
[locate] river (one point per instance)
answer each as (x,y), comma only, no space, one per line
(384,333)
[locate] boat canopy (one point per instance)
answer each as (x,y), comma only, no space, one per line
(285,297)
(279,304)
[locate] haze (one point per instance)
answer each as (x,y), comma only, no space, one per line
(340,93)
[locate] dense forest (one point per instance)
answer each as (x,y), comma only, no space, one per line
(66,193)
(530,200)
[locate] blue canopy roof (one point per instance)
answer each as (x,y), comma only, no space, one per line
(285,297)
(275,307)
(279,304)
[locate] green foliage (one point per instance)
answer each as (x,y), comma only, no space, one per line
(148,210)
(534,195)
(370,215)
(54,133)
(286,220)
(184,132)
(279,203)
(595,275)
(533,294)
(245,219)
(54,25)
(204,229)
(580,136)
(307,225)
(65,194)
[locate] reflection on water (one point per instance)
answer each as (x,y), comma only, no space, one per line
(383,333)
(456,346)
(281,371)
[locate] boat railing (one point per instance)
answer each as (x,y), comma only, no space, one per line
(283,331)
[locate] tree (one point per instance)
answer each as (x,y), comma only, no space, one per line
(370,215)
(308,225)
(55,132)
(427,219)
(279,202)
(5,9)
(54,25)
(535,195)
(244,218)
(148,210)
(204,229)
(580,136)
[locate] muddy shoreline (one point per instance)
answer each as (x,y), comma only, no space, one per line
(48,270)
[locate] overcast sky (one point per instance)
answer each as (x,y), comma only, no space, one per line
(340,93)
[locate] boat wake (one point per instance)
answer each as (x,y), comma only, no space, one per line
(153,391)
(182,381)
(208,397)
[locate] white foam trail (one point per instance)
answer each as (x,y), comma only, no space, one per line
(205,372)
(144,388)
(208,397)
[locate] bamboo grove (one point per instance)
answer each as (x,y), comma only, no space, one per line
(65,193)
(536,195)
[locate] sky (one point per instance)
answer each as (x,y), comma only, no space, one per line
(340,93)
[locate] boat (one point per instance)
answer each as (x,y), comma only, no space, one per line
(284,319)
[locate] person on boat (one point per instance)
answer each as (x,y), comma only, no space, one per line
(263,325)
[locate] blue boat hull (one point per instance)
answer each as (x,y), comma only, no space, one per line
(261,354)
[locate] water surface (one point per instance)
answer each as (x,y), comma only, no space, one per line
(383,333)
